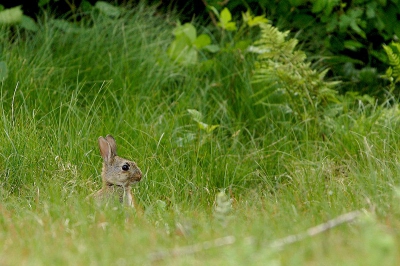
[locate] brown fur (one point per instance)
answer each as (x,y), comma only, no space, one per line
(118,174)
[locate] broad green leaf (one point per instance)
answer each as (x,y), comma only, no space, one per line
(11,15)
(29,24)
(186,29)
(196,115)
(225,20)
(202,126)
(188,56)
(202,41)
(257,21)
(182,51)
(253,21)
(182,40)
(108,9)
(3,71)
(231,26)
(225,16)
(207,128)
(319,5)
(212,48)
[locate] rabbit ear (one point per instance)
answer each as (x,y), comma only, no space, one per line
(105,150)
(113,144)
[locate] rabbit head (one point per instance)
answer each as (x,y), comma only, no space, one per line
(116,170)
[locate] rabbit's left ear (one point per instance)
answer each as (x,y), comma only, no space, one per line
(113,145)
(105,150)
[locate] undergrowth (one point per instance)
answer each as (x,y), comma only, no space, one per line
(226,174)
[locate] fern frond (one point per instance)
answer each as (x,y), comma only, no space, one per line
(280,67)
(394,59)
(222,208)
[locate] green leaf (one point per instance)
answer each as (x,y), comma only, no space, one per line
(344,22)
(182,51)
(389,72)
(188,56)
(196,115)
(225,16)
(231,26)
(353,45)
(183,48)
(186,29)
(329,7)
(3,71)
(225,20)
(246,16)
(212,48)
(211,128)
(318,6)
(202,41)
(354,26)
(370,12)
(253,21)
(202,126)
(214,10)
(108,9)
(11,16)
(207,128)
(29,24)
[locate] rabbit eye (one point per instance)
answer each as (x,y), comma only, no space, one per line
(125,167)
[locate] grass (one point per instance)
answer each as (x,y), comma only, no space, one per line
(69,85)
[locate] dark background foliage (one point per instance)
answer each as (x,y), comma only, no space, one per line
(345,36)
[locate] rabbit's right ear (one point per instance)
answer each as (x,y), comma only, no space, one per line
(113,144)
(105,150)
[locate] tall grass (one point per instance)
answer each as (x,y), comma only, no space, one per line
(69,84)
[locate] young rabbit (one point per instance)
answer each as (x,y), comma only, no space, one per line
(118,174)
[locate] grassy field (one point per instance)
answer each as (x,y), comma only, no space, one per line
(219,198)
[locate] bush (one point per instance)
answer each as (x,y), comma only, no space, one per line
(345,37)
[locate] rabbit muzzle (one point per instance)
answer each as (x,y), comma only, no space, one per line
(137,176)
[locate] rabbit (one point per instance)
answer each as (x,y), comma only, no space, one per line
(118,174)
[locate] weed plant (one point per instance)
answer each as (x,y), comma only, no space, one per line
(68,84)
